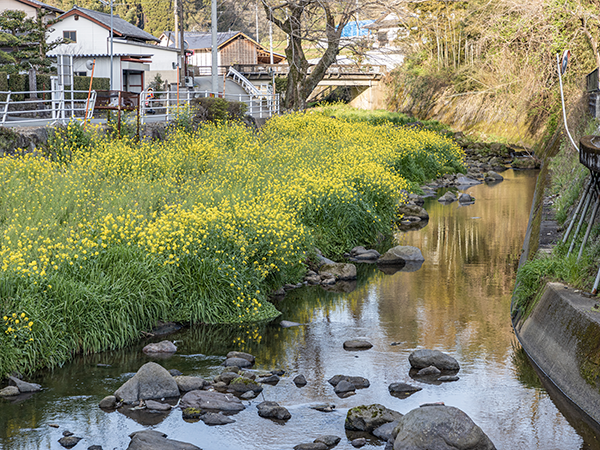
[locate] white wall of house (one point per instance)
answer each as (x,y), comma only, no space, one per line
(95,39)
(18,6)
(203,58)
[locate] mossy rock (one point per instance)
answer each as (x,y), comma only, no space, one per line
(192,413)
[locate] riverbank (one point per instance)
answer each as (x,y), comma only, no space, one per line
(107,238)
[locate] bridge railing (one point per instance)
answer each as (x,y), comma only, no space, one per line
(283,69)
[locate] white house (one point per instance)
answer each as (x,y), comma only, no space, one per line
(136,60)
(31,7)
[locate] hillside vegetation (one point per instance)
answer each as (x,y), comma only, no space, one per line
(490,67)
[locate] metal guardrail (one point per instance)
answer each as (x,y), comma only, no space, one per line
(166,103)
(57,108)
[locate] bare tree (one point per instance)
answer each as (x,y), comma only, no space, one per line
(305,22)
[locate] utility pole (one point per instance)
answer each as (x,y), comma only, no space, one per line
(256,17)
(182,65)
(214,65)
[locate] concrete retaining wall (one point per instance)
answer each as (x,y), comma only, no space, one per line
(562,337)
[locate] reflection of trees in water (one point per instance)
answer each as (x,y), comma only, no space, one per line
(523,369)
(461,295)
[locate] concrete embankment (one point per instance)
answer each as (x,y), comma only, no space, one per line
(560,332)
(562,336)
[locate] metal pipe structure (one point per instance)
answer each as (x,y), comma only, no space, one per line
(562,97)
(583,214)
(589,227)
(585,194)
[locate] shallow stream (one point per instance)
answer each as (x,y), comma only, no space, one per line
(458,302)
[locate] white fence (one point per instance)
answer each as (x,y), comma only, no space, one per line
(46,107)
(165,103)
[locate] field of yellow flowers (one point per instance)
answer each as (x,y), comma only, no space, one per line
(99,244)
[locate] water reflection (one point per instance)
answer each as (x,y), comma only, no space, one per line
(458,302)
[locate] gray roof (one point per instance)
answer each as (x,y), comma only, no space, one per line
(43,5)
(120,26)
(198,40)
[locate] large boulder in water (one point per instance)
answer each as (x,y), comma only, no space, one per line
(369,417)
(410,209)
(439,427)
(341,271)
(401,254)
(155,440)
(212,401)
(151,381)
(420,359)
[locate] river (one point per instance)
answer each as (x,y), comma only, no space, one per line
(458,302)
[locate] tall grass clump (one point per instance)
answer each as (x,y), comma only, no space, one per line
(98,247)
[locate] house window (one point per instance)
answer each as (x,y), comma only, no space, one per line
(81,74)
(70,36)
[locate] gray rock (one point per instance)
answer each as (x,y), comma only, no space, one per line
(431,370)
(311,446)
(67,433)
(369,255)
(243,384)
(237,362)
(344,386)
(448,197)
(357,344)
(492,176)
(402,390)
(328,440)
(419,359)
(243,355)
(23,386)
(94,447)
(313,279)
(327,281)
(300,381)
(368,418)
(157,406)
(151,381)
(401,254)
(271,379)
(341,271)
(175,372)
(439,427)
(69,441)
(9,391)
(465,198)
(386,431)
(249,395)
(272,410)
(211,400)
(359,442)
(155,440)
(324,407)
(226,377)
(186,384)
(212,419)
(358,382)
(412,210)
(160,347)
(108,402)
(448,378)
(466,181)
(288,324)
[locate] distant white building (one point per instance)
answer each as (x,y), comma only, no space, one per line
(136,57)
(31,7)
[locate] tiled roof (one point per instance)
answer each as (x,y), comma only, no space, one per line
(39,4)
(121,27)
(197,40)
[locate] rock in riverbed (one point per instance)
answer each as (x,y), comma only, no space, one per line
(402,390)
(439,427)
(369,417)
(401,254)
(160,347)
(357,344)
(151,440)
(272,410)
(23,386)
(420,359)
(151,381)
(212,401)
(341,271)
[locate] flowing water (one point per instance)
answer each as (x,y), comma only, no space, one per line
(458,302)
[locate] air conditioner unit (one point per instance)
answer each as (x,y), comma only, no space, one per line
(189,82)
